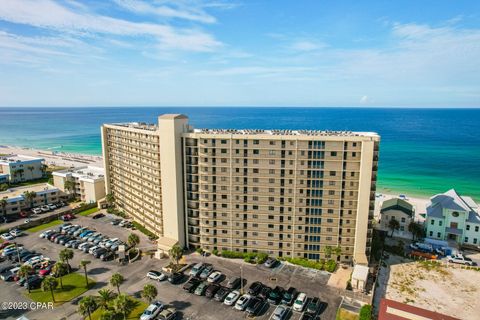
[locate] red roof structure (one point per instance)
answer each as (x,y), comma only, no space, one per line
(394,310)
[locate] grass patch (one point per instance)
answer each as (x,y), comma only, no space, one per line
(31,182)
(343,314)
(144,230)
(88,212)
(73,286)
(135,314)
(45,226)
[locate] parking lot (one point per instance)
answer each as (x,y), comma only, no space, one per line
(190,306)
(194,307)
(98,270)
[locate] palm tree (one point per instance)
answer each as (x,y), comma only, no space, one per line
(176,253)
(116,280)
(29,197)
(50,283)
(86,306)
(149,292)
(393,225)
(24,271)
(123,305)
(337,251)
(69,185)
(328,252)
(60,269)
(110,198)
(132,241)
(66,255)
(104,298)
(84,264)
(3,204)
(109,315)
(415,229)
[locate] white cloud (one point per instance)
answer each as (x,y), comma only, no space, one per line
(305,45)
(51,15)
(167,9)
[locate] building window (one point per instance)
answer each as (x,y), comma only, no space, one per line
(431,233)
(474,240)
(468,227)
(333,173)
(476,228)
(333,153)
(440,223)
(455,214)
(432,222)
(403,220)
(439,235)
(466,239)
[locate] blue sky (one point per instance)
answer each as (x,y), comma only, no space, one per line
(240,53)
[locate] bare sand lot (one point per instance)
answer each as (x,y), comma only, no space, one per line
(449,290)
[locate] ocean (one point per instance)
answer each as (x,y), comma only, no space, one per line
(422,152)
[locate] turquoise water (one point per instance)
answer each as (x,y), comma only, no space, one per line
(423,151)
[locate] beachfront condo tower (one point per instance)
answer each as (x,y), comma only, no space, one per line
(288,193)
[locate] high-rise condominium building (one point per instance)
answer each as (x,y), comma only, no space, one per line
(289,193)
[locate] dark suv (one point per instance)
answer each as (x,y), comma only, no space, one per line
(255,288)
(211,290)
(275,295)
(191,284)
(289,296)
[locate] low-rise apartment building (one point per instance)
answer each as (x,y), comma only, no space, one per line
(17,200)
(289,193)
(89,182)
(453,217)
(21,168)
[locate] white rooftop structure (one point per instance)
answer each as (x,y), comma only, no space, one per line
(359,277)
(16,158)
(86,173)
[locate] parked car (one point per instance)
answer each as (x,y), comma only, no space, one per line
(99,252)
(280,313)
(231,298)
(265,292)
(110,242)
(289,296)
(233,283)
(115,222)
(45,271)
(16,232)
(270,262)
(191,284)
(52,206)
(197,269)
(92,249)
(87,247)
(7,236)
(460,259)
(221,294)
(79,231)
(255,288)
(5,244)
(67,217)
(212,290)
(313,306)
(107,256)
(45,234)
(201,288)
(215,277)
(206,272)
(175,278)
(34,283)
(168,314)
(275,295)
(45,208)
(242,302)
(152,311)
(37,210)
(300,302)
(156,275)
(308,316)
(98,216)
(255,306)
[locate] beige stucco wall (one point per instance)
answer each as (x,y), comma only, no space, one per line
(170,130)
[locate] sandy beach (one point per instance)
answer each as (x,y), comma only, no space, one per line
(55,158)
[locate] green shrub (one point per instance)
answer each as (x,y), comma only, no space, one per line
(366,312)
(233,254)
(215,252)
(144,230)
(330,266)
(261,257)
(199,250)
(319,265)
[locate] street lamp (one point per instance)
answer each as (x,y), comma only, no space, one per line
(241,279)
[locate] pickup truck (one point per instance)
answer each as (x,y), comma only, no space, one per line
(460,259)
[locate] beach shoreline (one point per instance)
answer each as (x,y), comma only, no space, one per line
(55,158)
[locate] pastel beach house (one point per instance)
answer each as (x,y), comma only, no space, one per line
(454,218)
